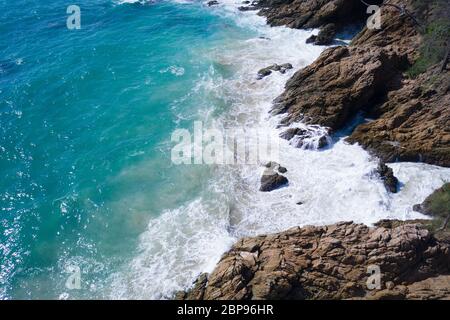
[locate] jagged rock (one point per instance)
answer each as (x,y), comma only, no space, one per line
(212,3)
(292,132)
(332,262)
(275,67)
(336,86)
(430,289)
(411,116)
(271,180)
(197,290)
(387,176)
(325,36)
(312,13)
(413,124)
(311,39)
(308,139)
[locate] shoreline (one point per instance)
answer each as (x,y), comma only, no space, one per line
(202,285)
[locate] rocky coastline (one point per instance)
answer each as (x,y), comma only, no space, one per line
(383,75)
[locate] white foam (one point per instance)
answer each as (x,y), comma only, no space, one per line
(336,184)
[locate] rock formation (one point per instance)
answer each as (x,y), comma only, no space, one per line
(332,262)
(414,122)
(388,178)
(282,68)
(271,178)
(411,116)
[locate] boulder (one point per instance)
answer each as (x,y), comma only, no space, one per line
(271,180)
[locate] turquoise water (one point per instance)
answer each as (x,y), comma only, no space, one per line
(85,120)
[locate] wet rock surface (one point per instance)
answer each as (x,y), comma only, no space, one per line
(272,177)
(332,262)
(387,176)
(282,68)
(306,138)
(325,36)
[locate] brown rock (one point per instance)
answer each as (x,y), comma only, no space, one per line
(414,124)
(331,263)
(387,176)
(311,13)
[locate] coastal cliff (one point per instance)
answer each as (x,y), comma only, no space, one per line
(332,262)
(389,76)
(410,116)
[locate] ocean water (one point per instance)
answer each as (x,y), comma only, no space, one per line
(86,118)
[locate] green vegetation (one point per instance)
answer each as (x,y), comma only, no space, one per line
(436,33)
(437,205)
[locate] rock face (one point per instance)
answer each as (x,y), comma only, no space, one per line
(336,86)
(413,124)
(411,116)
(328,15)
(332,262)
(387,175)
(311,13)
(325,36)
(345,80)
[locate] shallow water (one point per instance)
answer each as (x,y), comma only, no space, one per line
(86,120)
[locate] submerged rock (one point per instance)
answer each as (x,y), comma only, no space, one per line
(332,262)
(248,8)
(282,68)
(307,139)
